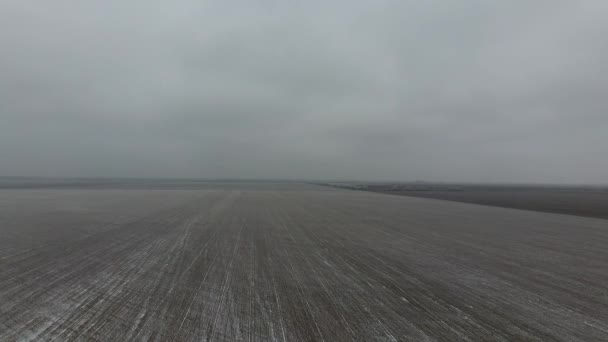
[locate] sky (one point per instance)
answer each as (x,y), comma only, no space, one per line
(435,90)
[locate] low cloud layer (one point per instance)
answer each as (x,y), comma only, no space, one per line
(475,90)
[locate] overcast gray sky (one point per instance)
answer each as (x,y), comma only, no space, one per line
(465,90)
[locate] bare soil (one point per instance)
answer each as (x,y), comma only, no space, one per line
(571,200)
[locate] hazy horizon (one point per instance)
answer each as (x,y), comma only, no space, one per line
(289,180)
(471,91)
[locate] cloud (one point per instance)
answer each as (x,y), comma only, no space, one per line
(403,90)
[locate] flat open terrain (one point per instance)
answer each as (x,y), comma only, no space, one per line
(572,202)
(590,201)
(292,262)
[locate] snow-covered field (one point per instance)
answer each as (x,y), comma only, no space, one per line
(293,262)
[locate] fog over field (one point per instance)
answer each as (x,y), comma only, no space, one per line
(471,90)
(265,170)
